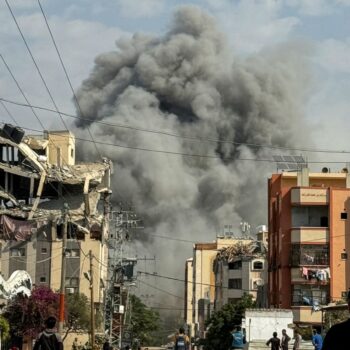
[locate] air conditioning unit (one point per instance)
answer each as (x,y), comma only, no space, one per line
(70,290)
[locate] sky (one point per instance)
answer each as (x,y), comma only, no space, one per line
(83,29)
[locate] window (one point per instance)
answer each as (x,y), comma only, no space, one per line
(344,256)
(235,265)
(42,279)
(343,216)
(258,265)
(310,254)
(43,250)
(310,216)
(72,282)
(344,295)
(306,295)
(234,283)
(72,253)
(17,252)
(72,152)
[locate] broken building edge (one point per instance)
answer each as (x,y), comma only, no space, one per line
(38,178)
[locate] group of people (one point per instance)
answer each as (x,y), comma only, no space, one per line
(277,343)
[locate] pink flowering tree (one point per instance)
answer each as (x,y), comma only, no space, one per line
(26,315)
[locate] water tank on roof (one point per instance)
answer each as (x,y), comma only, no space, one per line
(14,133)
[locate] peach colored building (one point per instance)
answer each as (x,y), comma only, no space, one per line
(308,241)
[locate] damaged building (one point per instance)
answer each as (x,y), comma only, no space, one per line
(39,179)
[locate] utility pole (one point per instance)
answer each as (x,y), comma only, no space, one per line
(92,302)
(63,268)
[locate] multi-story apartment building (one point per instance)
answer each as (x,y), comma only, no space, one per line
(38,177)
(308,241)
(201,285)
(240,268)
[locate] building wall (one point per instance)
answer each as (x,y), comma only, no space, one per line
(188,292)
(285,192)
(65,141)
(260,324)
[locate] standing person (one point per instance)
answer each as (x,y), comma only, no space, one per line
(49,339)
(316,340)
(274,341)
(75,345)
(297,340)
(182,341)
(238,339)
(285,340)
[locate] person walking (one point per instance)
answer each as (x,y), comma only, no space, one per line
(182,342)
(238,339)
(284,340)
(316,340)
(297,340)
(49,339)
(274,341)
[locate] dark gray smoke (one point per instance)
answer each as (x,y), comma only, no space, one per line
(189,83)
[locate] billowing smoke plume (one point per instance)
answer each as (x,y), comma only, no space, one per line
(189,83)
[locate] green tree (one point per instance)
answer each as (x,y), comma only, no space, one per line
(5,328)
(143,321)
(220,324)
(77,313)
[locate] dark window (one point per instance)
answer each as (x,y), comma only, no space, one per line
(258,265)
(305,295)
(344,294)
(43,250)
(344,256)
(17,252)
(234,283)
(72,282)
(72,253)
(42,279)
(310,254)
(235,265)
(343,216)
(310,216)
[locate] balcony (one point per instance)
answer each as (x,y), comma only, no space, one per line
(309,196)
(312,255)
(312,296)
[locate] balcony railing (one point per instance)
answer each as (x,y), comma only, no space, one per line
(310,255)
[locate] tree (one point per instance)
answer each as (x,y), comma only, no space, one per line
(220,324)
(143,321)
(5,328)
(78,313)
(26,315)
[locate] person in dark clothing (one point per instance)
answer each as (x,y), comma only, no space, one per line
(182,341)
(49,339)
(274,341)
(284,340)
(338,335)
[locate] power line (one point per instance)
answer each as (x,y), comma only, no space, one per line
(21,91)
(182,153)
(168,133)
(8,112)
(35,63)
(66,73)
(161,290)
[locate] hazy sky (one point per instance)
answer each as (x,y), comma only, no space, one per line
(85,28)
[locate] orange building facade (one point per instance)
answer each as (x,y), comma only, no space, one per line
(309,238)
